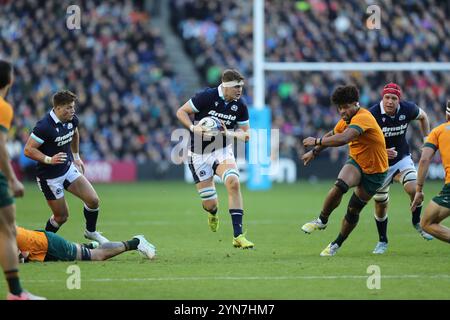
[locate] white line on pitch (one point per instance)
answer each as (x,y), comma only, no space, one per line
(404,276)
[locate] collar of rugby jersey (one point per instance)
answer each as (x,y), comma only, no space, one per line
(54,117)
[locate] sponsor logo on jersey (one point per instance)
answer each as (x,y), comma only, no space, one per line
(62,140)
(395,131)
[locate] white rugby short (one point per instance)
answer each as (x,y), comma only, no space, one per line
(203,166)
(405,164)
(53,189)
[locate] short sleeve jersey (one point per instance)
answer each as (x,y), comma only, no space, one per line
(6,115)
(439,139)
(33,242)
(211,103)
(54,137)
(369,149)
(394,128)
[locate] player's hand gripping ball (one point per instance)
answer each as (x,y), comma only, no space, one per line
(211,126)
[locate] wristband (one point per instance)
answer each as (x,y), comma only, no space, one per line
(76,156)
(191,128)
(47,160)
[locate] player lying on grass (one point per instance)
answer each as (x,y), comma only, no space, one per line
(48,246)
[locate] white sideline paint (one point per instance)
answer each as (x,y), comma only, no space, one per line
(338,277)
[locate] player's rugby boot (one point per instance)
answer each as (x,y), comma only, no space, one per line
(241,242)
(380,248)
(23,296)
(96,236)
(330,250)
(145,248)
(311,226)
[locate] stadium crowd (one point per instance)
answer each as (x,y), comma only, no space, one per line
(128,92)
(115,63)
(221,32)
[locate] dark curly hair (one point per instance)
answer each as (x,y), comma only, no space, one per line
(344,95)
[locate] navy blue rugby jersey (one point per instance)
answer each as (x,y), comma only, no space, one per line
(54,137)
(211,103)
(394,128)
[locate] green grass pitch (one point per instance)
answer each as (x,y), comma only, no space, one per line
(195,263)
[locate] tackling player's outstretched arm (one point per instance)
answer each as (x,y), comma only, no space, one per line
(31,151)
(310,155)
(335,140)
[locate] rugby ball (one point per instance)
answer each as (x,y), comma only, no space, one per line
(211,125)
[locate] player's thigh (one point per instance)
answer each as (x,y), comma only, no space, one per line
(435,213)
(7,216)
(6,200)
(83,189)
(59,207)
(350,174)
(362,193)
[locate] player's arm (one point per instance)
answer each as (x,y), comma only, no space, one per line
(311,154)
(5,167)
(31,151)
(336,140)
(184,116)
(424,163)
(242,133)
(424,122)
(75,148)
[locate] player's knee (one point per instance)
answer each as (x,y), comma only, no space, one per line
(233,184)
(210,206)
(61,218)
(231,180)
(341,186)
(93,202)
(381,197)
(426,222)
